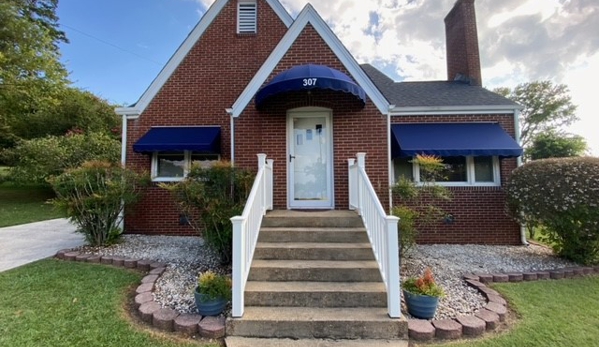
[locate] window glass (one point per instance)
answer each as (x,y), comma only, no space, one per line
(203,160)
(455,170)
(403,168)
(483,169)
(170,165)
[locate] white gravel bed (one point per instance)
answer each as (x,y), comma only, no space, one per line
(187,256)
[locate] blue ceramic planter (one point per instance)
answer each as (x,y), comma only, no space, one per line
(207,307)
(421,306)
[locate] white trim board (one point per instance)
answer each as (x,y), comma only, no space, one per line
(309,16)
(164,75)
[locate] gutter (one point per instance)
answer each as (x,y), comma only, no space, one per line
(231,116)
(523,239)
(452,110)
(121,225)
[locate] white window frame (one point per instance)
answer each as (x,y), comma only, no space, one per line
(239,5)
(187,166)
(469,174)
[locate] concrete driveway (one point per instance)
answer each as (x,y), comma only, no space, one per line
(22,244)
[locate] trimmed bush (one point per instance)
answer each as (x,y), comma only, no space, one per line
(94,197)
(209,197)
(562,195)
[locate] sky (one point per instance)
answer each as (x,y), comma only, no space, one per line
(117,47)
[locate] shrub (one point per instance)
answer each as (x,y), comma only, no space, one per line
(214,286)
(209,197)
(34,161)
(562,195)
(423,285)
(416,208)
(94,197)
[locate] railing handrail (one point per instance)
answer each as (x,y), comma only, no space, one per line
(381,228)
(246,229)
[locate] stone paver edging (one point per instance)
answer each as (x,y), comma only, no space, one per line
(489,317)
(149,310)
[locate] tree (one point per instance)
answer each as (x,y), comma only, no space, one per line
(553,144)
(31,74)
(547,106)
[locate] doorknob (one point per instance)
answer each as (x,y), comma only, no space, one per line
(291,157)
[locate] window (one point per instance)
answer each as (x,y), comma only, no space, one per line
(174,166)
(459,171)
(247,17)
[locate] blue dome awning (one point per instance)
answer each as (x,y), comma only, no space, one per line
(306,77)
(205,139)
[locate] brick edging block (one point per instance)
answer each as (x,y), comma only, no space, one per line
(151,312)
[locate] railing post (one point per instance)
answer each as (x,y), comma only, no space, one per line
(351,174)
(261,160)
(361,158)
(393,286)
(269,183)
(238,267)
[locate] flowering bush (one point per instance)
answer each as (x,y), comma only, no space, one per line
(214,286)
(562,195)
(424,285)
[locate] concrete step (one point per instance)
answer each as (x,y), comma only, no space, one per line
(312,219)
(319,323)
(237,341)
(315,271)
(316,294)
(328,235)
(313,251)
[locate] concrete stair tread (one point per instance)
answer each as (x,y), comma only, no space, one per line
(313,245)
(316,314)
(301,286)
(236,341)
(315,264)
(313,229)
(311,214)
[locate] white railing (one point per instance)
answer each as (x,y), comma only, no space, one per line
(381,229)
(246,229)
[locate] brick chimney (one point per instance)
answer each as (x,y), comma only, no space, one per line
(461,39)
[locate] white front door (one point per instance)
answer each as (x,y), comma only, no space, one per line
(310,153)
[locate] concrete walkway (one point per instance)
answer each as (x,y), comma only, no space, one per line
(22,244)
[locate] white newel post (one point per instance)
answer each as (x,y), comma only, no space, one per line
(261,165)
(393,291)
(353,182)
(269,183)
(361,158)
(238,267)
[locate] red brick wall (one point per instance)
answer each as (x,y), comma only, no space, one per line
(355,129)
(479,211)
(461,42)
(208,81)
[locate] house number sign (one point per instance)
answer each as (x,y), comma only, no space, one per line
(309,82)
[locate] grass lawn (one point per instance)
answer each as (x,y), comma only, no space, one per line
(551,313)
(25,204)
(63,304)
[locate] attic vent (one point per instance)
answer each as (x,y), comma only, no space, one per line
(247,17)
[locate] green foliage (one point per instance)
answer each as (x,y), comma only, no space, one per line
(94,197)
(562,195)
(547,106)
(553,144)
(209,197)
(37,159)
(214,286)
(75,111)
(416,208)
(423,285)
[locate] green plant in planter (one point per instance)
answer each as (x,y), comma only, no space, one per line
(422,295)
(214,286)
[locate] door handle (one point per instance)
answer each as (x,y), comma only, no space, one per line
(291,157)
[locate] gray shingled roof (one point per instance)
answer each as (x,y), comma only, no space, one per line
(433,93)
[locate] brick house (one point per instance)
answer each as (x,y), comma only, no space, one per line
(251,79)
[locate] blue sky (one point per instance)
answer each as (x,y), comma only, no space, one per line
(117,47)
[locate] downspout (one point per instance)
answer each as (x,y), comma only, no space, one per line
(519,160)
(230,113)
(389,159)
(123,161)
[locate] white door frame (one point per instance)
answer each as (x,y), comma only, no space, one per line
(310,112)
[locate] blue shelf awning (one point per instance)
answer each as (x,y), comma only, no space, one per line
(310,76)
(204,139)
(452,139)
